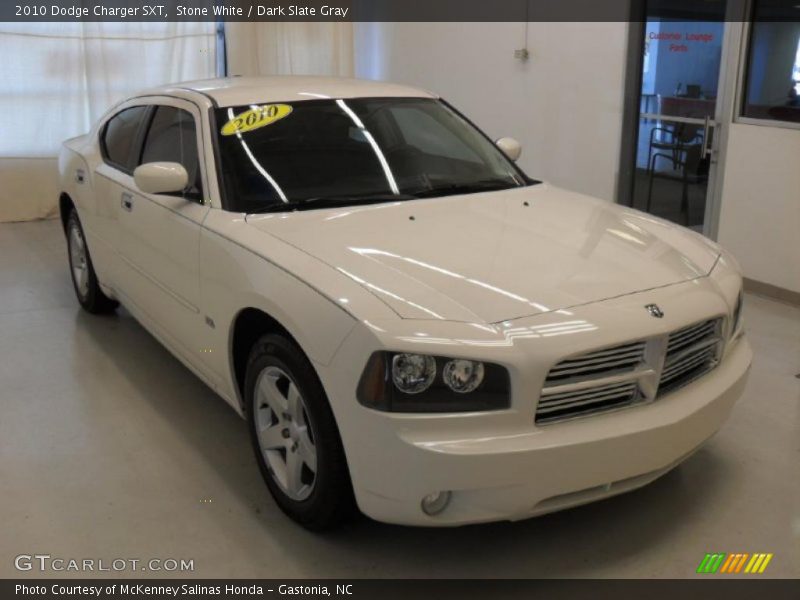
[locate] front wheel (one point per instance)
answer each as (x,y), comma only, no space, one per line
(295,437)
(84,279)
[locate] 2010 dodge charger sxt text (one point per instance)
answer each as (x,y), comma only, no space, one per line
(409,323)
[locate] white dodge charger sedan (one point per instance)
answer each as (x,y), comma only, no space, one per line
(410,324)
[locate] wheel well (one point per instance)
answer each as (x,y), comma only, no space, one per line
(65,205)
(250,325)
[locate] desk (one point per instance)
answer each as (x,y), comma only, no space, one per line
(677,106)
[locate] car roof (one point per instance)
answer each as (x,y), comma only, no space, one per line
(235,91)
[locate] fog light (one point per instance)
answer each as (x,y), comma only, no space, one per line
(433,504)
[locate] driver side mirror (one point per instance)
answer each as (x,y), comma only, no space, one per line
(161,177)
(510,147)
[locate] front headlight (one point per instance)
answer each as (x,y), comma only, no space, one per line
(406,382)
(727,277)
(463,376)
(413,373)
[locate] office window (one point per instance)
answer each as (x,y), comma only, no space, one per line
(772,82)
(57,79)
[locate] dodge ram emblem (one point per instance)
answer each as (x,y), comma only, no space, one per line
(654,310)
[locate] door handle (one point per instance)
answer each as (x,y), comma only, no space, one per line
(127,201)
(707,146)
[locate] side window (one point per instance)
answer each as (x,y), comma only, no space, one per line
(172,137)
(119,135)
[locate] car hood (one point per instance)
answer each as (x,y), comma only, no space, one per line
(495,256)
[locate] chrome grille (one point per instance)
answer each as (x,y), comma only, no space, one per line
(591,383)
(630,373)
(555,407)
(683,338)
(691,352)
(619,358)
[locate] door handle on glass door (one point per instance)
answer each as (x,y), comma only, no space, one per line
(708,145)
(127,202)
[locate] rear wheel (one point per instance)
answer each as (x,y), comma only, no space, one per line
(295,437)
(84,279)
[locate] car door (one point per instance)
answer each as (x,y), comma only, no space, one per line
(159,234)
(118,139)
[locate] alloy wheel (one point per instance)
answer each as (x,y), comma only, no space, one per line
(285,436)
(78,260)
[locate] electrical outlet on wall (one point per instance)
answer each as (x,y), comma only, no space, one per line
(522,54)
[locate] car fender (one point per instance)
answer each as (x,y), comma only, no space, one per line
(290,287)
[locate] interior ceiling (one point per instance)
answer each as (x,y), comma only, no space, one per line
(686,10)
(714,10)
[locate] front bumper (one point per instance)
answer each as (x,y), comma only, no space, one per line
(501,465)
(513,476)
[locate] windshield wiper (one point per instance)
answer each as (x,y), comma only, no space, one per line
(471,187)
(482,185)
(331,202)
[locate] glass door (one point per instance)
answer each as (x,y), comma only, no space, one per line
(679,100)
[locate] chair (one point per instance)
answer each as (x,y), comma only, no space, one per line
(681,146)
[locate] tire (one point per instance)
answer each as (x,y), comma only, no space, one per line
(291,427)
(84,279)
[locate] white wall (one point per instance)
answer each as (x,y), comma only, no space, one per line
(564,104)
(294,48)
(29,189)
(760,208)
(57,79)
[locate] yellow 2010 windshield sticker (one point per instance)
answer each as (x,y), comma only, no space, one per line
(258,116)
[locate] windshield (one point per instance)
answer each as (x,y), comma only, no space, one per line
(316,153)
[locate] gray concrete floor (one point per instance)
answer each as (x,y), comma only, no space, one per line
(110,448)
